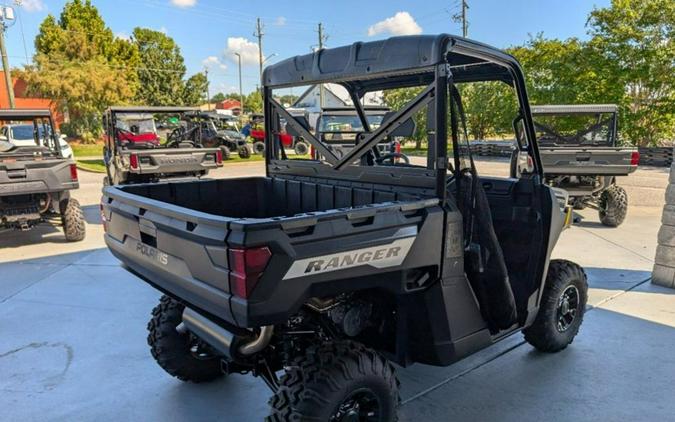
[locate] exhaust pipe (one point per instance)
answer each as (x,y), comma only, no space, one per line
(222,340)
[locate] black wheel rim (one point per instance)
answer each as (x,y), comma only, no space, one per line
(360,405)
(568,308)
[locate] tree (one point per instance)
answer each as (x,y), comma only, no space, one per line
(396,99)
(194,92)
(218,97)
(82,67)
(490,107)
(637,39)
(162,68)
(253,102)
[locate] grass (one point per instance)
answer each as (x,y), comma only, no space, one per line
(87,150)
(95,166)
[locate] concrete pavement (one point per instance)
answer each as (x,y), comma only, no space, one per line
(72,344)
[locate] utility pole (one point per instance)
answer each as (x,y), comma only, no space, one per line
(6,20)
(259,34)
(322,38)
(465,25)
(208,97)
(241,92)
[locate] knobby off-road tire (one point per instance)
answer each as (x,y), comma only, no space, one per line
(301,148)
(225,152)
(557,323)
(244,152)
(72,219)
(259,147)
(171,349)
(613,206)
(334,381)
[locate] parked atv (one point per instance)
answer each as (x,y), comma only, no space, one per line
(220,131)
(35,176)
(331,270)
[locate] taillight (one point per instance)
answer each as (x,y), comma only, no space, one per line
(634,158)
(104,219)
(73,172)
(246,268)
(219,157)
(133,161)
(312,153)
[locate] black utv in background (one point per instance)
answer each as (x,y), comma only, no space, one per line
(332,269)
(35,178)
(580,153)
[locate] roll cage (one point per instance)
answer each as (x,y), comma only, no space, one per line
(433,62)
(40,119)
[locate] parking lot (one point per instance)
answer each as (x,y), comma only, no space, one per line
(73,335)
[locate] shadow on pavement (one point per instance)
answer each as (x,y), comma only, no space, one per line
(76,337)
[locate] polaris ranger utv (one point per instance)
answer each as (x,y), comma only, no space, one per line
(331,270)
(151,144)
(579,152)
(35,177)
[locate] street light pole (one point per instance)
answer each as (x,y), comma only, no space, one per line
(241,93)
(6,20)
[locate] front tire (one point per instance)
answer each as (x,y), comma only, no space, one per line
(613,206)
(337,381)
(72,219)
(259,148)
(301,148)
(244,152)
(173,350)
(562,307)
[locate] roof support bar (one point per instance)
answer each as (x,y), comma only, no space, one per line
(290,120)
(424,98)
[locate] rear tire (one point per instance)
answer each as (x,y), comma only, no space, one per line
(172,349)
(72,219)
(225,151)
(613,206)
(336,380)
(562,307)
(301,148)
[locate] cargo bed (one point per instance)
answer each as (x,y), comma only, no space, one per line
(180,237)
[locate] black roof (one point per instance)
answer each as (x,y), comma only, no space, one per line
(151,109)
(24,113)
(352,111)
(371,65)
(574,108)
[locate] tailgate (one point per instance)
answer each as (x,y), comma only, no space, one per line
(20,176)
(174,160)
(590,161)
(179,251)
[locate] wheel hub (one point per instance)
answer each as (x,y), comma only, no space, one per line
(568,306)
(361,405)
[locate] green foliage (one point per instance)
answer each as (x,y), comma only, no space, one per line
(253,102)
(396,99)
(195,90)
(162,69)
(636,39)
(82,66)
(287,99)
(490,108)
(218,98)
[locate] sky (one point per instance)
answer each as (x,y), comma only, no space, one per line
(209,32)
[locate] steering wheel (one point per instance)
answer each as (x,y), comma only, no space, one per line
(391,156)
(176,135)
